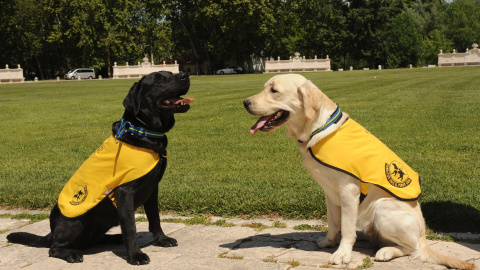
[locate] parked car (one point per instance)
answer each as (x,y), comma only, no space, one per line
(230,70)
(83,73)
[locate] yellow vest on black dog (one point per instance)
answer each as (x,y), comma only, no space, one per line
(353,150)
(113,164)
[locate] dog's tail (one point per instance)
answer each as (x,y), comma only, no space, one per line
(425,254)
(29,239)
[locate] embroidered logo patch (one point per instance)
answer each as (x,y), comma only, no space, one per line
(80,195)
(396,175)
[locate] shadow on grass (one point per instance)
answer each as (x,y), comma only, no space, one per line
(451,217)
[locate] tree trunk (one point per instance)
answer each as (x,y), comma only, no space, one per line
(109,71)
(39,67)
(208,60)
(193,47)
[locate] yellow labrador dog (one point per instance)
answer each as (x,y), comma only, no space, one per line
(367,187)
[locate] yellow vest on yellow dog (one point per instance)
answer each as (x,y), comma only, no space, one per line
(111,165)
(353,150)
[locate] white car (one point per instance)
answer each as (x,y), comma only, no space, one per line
(230,70)
(83,73)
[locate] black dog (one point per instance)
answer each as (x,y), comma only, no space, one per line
(149,113)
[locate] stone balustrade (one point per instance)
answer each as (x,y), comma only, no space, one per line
(468,58)
(142,69)
(11,75)
(297,64)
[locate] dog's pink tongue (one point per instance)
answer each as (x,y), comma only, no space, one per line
(260,123)
(185,100)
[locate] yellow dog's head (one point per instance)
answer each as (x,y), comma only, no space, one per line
(288,99)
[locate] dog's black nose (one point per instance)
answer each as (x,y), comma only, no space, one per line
(183,75)
(247,103)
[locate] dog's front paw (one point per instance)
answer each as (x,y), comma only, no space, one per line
(138,259)
(166,241)
(341,256)
(69,255)
(75,257)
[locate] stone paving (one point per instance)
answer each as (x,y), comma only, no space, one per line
(213,247)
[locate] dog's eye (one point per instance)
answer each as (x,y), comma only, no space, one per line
(273,90)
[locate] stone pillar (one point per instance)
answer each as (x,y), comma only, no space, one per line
(99,77)
(379,67)
(58,79)
(35,79)
(351,68)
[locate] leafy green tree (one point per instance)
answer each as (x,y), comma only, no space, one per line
(403,43)
(323,30)
(31,26)
(432,45)
(9,46)
(223,30)
(426,17)
(104,31)
(183,16)
(368,26)
(154,31)
(47,37)
(462,23)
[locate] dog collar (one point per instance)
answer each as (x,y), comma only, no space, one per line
(334,118)
(126,126)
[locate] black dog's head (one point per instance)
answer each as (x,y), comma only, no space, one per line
(154,99)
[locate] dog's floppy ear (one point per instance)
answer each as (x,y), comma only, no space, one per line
(311,97)
(131,101)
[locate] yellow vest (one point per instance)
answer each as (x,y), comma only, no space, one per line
(353,150)
(112,165)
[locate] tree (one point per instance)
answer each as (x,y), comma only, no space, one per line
(425,16)
(104,30)
(403,43)
(223,30)
(48,37)
(183,15)
(154,31)
(31,26)
(323,29)
(368,26)
(462,21)
(9,46)
(432,45)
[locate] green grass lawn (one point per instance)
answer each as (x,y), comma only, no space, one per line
(427,116)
